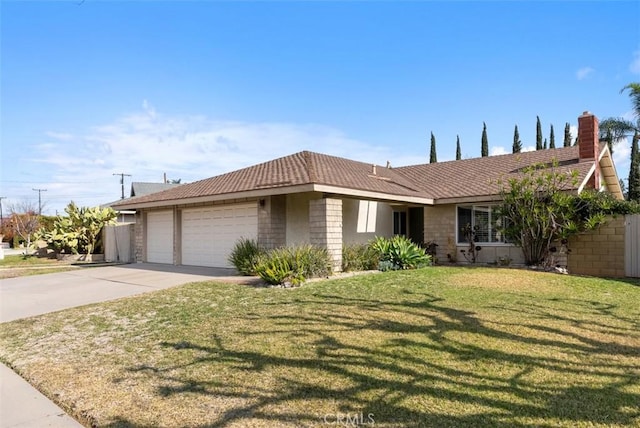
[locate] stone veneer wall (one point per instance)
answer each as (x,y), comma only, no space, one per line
(599,252)
(325,228)
(440,226)
(138,255)
(272,219)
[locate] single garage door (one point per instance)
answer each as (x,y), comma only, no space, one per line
(209,233)
(160,237)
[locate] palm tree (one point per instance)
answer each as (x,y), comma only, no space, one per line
(634,94)
(614,129)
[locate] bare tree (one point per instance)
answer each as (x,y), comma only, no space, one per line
(25,221)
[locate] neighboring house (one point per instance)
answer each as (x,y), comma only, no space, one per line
(138,188)
(330,201)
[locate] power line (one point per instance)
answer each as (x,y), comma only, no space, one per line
(39,199)
(122,175)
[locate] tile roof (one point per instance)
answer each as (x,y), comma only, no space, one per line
(296,169)
(453,179)
(480,176)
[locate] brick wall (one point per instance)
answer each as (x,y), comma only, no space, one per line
(599,252)
(325,228)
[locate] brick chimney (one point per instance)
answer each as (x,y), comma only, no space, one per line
(589,145)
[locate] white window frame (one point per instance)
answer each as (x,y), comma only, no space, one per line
(484,206)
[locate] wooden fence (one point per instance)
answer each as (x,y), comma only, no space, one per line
(632,246)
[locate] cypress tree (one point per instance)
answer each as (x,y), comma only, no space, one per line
(517,144)
(485,142)
(552,139)
(458,151)
(433,158)
(538,134)
(634,170)
(567,135)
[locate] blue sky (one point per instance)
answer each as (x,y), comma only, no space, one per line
(195,89)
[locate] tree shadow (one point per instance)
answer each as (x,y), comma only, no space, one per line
(485,372)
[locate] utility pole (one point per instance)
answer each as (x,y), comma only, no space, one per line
(122,176)
(1,217)
(39,199)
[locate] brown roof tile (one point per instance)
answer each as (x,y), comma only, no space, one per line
(453,179)
(297,169)
(480,176)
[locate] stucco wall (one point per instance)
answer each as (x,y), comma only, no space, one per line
(599,252)
(350,212)
(297,230)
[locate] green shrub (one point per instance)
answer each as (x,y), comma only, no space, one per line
(311,261)
(359,257)
(293,264)
(245,255)
(274,268)
(399,253)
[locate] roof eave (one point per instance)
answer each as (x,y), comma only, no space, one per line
(468,199)
(258,193)
(372,195)
(249,194)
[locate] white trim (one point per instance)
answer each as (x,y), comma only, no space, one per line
(342,191)
(587,177)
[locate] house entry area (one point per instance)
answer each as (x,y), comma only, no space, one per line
(409,222)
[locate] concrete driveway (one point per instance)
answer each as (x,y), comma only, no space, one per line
(40,294)
(21,405)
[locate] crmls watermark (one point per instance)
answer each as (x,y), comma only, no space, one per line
(349,420)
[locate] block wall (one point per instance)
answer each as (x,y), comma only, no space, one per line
(599,252)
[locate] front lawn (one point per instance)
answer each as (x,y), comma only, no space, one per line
(21,265)
(441,347)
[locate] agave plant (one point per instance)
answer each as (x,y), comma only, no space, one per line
(399,252)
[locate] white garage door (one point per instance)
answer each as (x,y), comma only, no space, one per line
(209,233)
(160,237)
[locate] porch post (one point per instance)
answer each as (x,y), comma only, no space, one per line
(325,228)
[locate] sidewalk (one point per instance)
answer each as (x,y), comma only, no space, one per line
(23,406)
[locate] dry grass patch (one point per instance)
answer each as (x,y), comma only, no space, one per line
(436,347)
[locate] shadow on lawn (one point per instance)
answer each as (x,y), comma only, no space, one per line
(487,381)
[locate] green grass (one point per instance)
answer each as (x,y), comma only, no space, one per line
(20,265)
(445,347)
(25,261)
